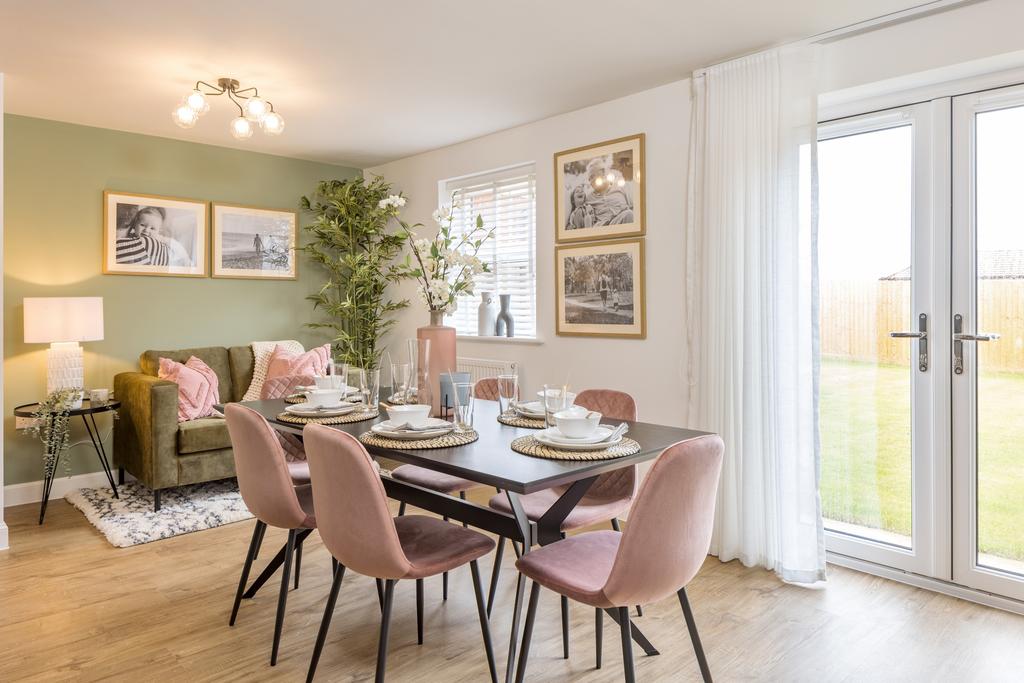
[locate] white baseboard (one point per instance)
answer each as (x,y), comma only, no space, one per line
(4,541)
(928,583)
(32,491)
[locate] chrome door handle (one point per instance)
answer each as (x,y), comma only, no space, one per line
(922,341)
(959,337)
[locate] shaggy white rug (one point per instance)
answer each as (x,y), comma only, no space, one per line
(130,520)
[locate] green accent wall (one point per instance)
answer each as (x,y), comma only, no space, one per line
(55,174)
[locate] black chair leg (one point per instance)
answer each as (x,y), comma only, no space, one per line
(462,496)
(639,611)
(691,626)
(495,571)
(156,500)
(419,611)
(485,629)
(598,636)
(531,615)
(385,627)
(401,509)
(259,543)
(380,593)
(120,476)
(565,627)
(298,564)
(627,645)
(325,623)
(444,577)
(249,557)
(282,599)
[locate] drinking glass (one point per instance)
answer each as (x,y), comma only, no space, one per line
(400,373)
(554,401)
(419,389)
(369,388)
(338,372)
(508,393)
(464,404)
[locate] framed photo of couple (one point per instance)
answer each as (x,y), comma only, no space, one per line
(599,191)
(156,235)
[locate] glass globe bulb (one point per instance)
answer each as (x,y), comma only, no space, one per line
(241,128)
(184,115)
(197,101)
(256,108)
(610,177)
(272,123)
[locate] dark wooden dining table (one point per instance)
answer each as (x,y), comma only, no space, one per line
(491,461)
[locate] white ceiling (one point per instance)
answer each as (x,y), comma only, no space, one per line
(360,83)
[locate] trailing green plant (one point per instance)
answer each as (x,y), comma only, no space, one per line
(51,426)
(351,238)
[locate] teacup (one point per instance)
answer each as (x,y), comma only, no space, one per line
(576,422)
(416,415)
(325,397)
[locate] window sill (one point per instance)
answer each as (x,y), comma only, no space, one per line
(500,340)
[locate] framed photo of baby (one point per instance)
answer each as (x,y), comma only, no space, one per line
(249,242)
(599,190)
(153,235)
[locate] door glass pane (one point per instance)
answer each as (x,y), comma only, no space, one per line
(1000,309)
(864,255)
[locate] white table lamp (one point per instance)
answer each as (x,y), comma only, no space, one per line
(62,322)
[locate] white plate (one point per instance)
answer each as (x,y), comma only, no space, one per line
(600,433)
(385,428)
(307,410)
(544,436)
(531,409)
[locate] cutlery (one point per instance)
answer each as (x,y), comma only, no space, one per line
(406,427)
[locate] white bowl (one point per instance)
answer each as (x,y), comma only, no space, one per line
(577,423)
(325,397)
(416,414)
(570,397)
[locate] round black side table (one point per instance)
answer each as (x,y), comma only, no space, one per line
(88,413)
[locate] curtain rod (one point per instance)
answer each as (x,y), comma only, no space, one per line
(900,16)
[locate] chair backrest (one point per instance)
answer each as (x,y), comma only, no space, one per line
(669,530)
(486,388)
(614,405)
(261,468)
(351,506)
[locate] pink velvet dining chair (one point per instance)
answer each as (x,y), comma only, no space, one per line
(269,492)
(357,528)
(606,499)
(659,553)
(439,481)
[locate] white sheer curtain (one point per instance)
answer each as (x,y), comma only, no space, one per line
(751,311)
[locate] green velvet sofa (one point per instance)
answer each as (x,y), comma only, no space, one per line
(152,445)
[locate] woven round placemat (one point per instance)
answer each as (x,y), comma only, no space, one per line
(447,441)
(520,421)
(357,416)
(527,445)
(295,398)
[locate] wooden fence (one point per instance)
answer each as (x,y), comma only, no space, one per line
(856,318)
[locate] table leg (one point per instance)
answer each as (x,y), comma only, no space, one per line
(48,481)
(101,452)
(517,609)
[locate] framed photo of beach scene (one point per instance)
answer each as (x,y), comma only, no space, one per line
(599,191)
(147,234)
(250,242)
(600,289)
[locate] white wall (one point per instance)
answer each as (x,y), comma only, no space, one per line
(650,369)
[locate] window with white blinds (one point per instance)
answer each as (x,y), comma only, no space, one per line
(506,200)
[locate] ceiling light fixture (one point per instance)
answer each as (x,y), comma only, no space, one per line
(252,109)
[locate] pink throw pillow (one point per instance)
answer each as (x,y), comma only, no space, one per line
(197,386)
(283,363)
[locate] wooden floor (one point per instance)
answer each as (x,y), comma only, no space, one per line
(73,607)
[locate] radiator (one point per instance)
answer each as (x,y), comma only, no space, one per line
(478,368)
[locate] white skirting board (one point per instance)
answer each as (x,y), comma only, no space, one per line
(32,491)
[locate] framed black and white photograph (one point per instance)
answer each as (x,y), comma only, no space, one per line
(154,235)
(600,289)
(250,242)
(599,190)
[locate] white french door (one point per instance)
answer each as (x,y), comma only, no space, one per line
(988,347)
(921,261)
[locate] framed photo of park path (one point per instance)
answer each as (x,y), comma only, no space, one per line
(600,289)
(599,191)
(249,242)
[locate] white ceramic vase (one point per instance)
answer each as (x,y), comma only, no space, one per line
(487,314)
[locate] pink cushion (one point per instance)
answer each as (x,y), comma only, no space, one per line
(434,546)
(430,479)
(197,386)
(591,510)
(284,363)
(576,567)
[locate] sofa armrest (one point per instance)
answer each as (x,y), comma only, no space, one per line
(146,433)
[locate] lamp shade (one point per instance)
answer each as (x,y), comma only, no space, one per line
(63,319)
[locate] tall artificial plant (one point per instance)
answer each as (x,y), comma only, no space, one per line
(352,240)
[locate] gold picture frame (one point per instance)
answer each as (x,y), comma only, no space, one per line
(600,191)
(254,243)
(600,289)
(149,234)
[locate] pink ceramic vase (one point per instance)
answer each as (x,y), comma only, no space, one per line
(441,358)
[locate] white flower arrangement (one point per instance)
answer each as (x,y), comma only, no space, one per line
(395,200)
(447,266)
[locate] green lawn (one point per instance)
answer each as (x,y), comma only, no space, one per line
(865,461)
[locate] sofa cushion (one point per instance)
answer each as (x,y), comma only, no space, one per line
(214,356)
(242,365)
(204,434)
